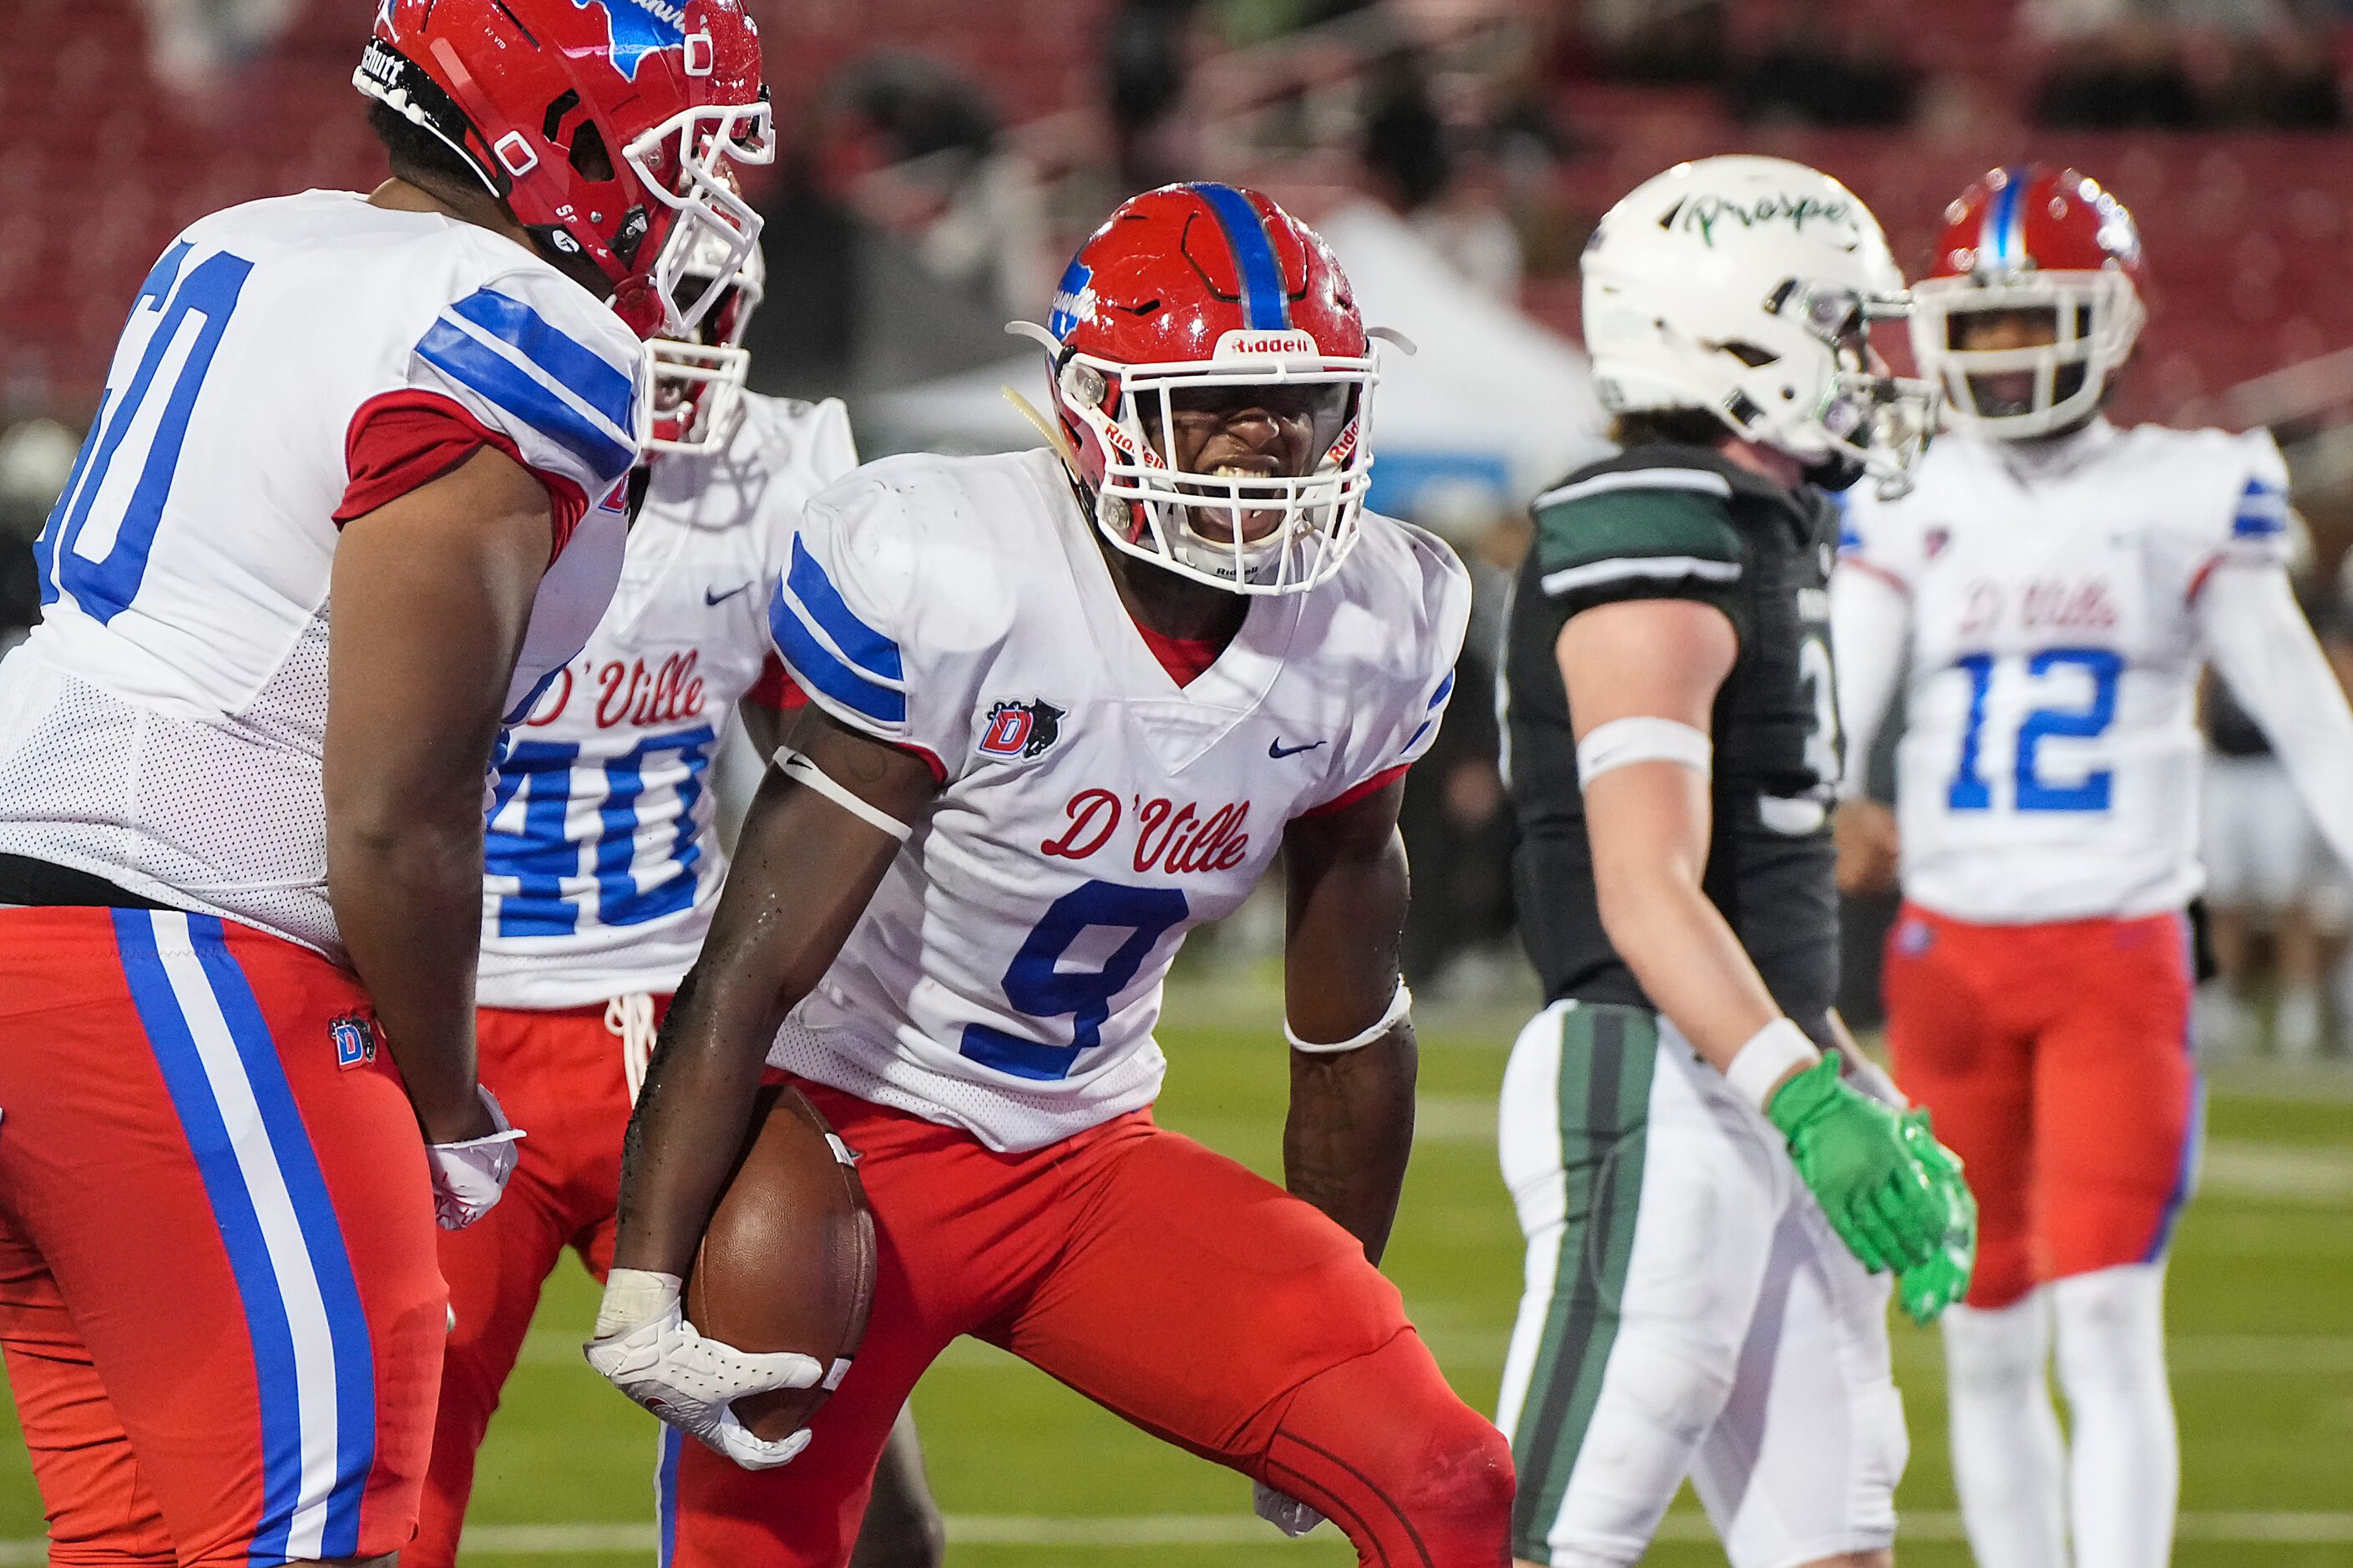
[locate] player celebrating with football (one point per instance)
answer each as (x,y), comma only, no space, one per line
(344,504)
(1697,1298)
(2055,585)
(1068,703)
(603,862)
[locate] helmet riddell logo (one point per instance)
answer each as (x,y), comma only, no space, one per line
(638,28)
(1289,343)
(1703,214)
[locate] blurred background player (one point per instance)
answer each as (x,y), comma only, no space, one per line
(2056,584)
(240,835)
(1698,1301)
(604,860)
(1066,704)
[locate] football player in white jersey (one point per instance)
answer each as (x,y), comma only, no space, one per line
(1067,704)
(2054,584)
(603,860)
(240,834)
(1707,1189)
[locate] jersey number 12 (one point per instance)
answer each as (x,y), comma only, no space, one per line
(1970,791)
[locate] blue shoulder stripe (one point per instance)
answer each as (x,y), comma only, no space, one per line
(1445,690)
(2263,510)
(867,648)
(1266,305)
(482,369)
(572,364)
(816,668)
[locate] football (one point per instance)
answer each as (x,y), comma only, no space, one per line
(787,1262)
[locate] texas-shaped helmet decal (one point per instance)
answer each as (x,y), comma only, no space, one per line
(638,28)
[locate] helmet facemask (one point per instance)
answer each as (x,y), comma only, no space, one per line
(1234,520)
(2089,322)
(686,164)
(699,377)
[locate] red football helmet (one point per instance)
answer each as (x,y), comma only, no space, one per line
(607,126)
(1183,293)
(2034,240)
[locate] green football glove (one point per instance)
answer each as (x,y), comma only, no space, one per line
(1853,1153)
(1927,1289)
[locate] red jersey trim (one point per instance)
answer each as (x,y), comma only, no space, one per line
(2205,569)
(1346,798)
(1185,658)
(1881,573)
(398,442)
(777,688)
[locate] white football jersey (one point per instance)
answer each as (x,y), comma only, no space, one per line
(601,866)
(163,727)
(2049,763)
(1007,977)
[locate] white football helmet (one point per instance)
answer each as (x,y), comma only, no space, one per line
(1746,286)
(699,379)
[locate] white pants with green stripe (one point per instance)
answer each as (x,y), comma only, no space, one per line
(1688,1312)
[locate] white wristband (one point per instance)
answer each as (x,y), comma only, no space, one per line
(801,770)
(1400,1006)
(1761,1064)
(1642,739)
(634,1297)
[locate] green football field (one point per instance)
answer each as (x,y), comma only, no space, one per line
(2262,1313)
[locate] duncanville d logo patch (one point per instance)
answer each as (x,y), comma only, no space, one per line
(1021,729)
(354,1040)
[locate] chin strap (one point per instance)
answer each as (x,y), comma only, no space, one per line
(1054,437)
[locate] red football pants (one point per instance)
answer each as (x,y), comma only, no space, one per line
(2056,1060)
(217,1296)
(559,1076)
(1161,1280)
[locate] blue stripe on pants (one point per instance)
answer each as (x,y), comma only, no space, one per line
(323,1236)
(240,1226)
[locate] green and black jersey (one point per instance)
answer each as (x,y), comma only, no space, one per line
(1681,523)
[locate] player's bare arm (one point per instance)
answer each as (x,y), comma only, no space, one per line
(1649,821)
(1664,660)
(432,593)
(1350,1129)
(804,870)
(814,848)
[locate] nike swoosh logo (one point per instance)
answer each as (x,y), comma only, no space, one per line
(1278,750)
(711,598)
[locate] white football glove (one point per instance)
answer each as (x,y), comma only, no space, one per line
(1286,1513)
(646,1348)
(470,1177)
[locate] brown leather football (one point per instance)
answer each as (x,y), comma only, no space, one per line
(788,1261)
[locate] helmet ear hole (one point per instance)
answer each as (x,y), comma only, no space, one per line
(1753,356)
(590,160)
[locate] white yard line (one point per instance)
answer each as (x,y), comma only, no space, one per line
(1164,1530)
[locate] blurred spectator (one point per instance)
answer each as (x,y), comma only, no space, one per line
(2269,884)
(37,456)
(951,179)
(1660,42)
(2130,76)
(1456,818)
(192,43)
(1147,56)
(1818,69)
(1410,166)
(2283,79)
